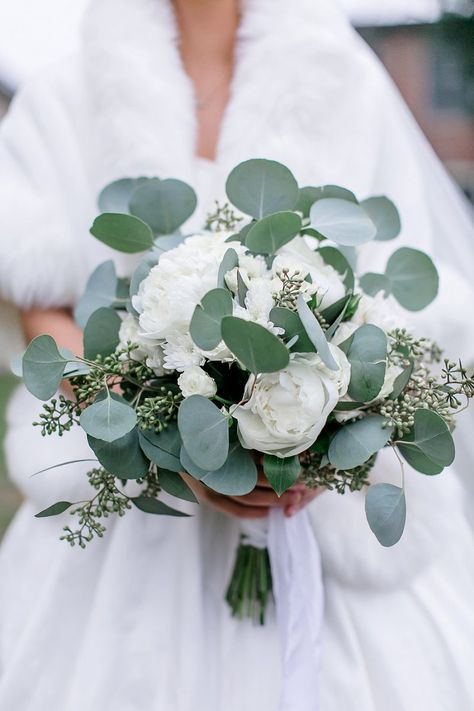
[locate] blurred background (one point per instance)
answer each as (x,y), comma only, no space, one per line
(426,45)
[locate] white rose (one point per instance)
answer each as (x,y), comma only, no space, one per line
(286,410)
(195,381)
(325,280)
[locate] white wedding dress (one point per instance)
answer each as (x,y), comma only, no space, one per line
(137,621)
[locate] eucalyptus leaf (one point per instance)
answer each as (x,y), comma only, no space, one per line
(150,505)
(205,432)
(281,473)
(163,204)
(43,367)
(108,419)
(125,233)
(272,232)
(429,447)
(162,448)
(293,327)
(336,259)
(100,291)
(259,187)
(254,346)
(115,197)
(206,322)
(144,267)
(190,467)
(174,484)
(413,277)
(230,260)
(384,215)
(316,334)
(242,289)
(371,283)
(385,508)
(367,355)
(54,510)
(342,221)
(123,457)
(237,476)
(355,443)
(101,334)
(309,195)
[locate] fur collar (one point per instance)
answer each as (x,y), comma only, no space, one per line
(294,62)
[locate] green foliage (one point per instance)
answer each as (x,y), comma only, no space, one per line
(316,472)
(224,218)
(260,187)
(163,204)
(206,323)
(109,418)
(230,260)
(309,195)
(115,197)
(254,346)
(429,446)
(43,367)
(205,432)
(315,334)
(100,291)
(336,259)
(163,448)
(385,508)
(367,354)
(385,217)
(410,277)
(150,505)
(292,325)
(272,232)
(54,510)
(355,443)
(101,334)
(125,233)
(281,473)
(237,476)
(174,484)
(342,221)
(123,457)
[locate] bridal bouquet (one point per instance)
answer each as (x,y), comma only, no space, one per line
(254,339)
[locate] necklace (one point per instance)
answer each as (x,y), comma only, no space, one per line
(204,102)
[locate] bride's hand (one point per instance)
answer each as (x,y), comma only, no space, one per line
(258,503)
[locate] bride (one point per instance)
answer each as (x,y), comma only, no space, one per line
(137,622)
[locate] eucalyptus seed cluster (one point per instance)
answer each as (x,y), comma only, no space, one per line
(224,218)
(458,384)
(156,412)
(58,416)
(108,500)
(291,283)
(315,474)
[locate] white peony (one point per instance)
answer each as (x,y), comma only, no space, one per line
(151,355)
(340,377)
(286,410)
(379,311)
(195,381)
(326,282)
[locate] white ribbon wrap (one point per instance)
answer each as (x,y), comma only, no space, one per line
(299,597)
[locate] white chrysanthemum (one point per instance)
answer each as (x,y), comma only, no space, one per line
(151,355)
(297,257)
(169,294)
(180,352)
(195,381)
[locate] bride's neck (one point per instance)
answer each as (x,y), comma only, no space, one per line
(207,30)
(207,35)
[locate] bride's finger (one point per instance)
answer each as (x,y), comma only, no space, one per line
(267,497)
(233,508)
